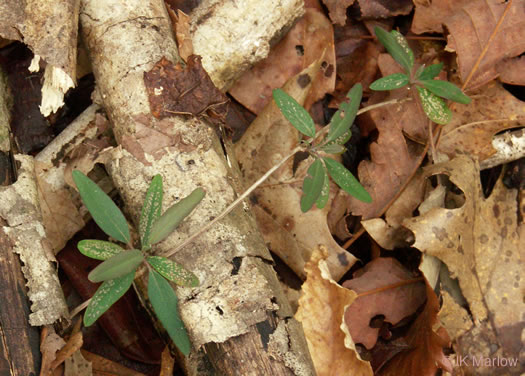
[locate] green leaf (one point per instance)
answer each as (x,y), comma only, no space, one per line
(116,266)
(165,305)
(312,186)
(397,46)
(435,107)
(98,249)
(174,216)
(333,149)
(344,179)
(173,271)
(104,211)
(325,191)
(446,90)
(295,113)
(107,294)
(390,82)
(151,209)
(345,116)
(430,72)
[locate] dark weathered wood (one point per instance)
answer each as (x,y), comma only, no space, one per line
(19,342)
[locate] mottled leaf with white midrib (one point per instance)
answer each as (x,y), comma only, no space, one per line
(390,82)
(98,249)
(344,179)
(294,113)
(165,304)
(430,72)
(103,210)
(325,191)
(435,107)
(116,266)
(396,46)
(446,90)
(312,185)
(107,294)
(173,271)
(345,116)
(151,209)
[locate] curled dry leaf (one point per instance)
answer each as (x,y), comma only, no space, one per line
(321,311)
(394,303)
(481,243)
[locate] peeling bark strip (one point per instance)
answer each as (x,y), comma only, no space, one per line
(125,39)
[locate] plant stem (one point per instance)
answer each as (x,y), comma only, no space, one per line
(79,308)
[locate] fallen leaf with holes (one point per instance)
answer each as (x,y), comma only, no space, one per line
(480,242)
(472,128)
(429,16)
(425,355)
(304,43)
(291,234)
(470,30)
(394,303)
(177,90)
(321,311)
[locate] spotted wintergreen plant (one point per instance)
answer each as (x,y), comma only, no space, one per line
(430,91)
(316,185)
(118,269)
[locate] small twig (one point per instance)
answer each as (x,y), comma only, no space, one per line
(480,122)
(79,309)
(486,48)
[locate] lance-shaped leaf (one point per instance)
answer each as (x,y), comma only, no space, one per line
(397,46)
(116,266)
(446,90)
(295,113)
(435,107)
(344,179)
(107,294)
(174,216)
(333,148)
(104,211)
(325,191)
(430,72)
(173,271)
(165,305)
(313,185)
(390,82)
(98,249)
(345,116)
(151,209)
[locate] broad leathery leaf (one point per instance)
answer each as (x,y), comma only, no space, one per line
(344,179)
(104,211)
(345,116)
(151,209)
(165,305)
(390,82)
(430,72)
(295,113)
(446,90)
(174,216)
(173,271)
(312,186)
(396,46)
(435,107)
(98,249)
(107,294)
(325,191)
(333,149)
(116,266)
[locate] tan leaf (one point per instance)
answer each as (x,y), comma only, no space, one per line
(321,310)
(429,16)
(473,126)
(382,9)
(395,302)
(337,10)
(480,242)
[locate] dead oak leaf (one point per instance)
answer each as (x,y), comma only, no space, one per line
(394,304)
(321,311)
(177,90)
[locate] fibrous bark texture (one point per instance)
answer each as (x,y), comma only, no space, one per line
(238,319)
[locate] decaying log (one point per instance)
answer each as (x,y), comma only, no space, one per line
(238,318)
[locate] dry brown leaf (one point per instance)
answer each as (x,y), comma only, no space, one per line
(394,303)
(103,367)
(426,355)
(305,43)
(480,242)
(430,15)
(337,10)
(181,27)
(470,30)
(50,344)
(321,311)
(492,102)
(384,9)
(291,234)
(513,71)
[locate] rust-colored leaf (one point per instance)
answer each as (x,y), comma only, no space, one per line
(177,90)
(429,16)
(337,10)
